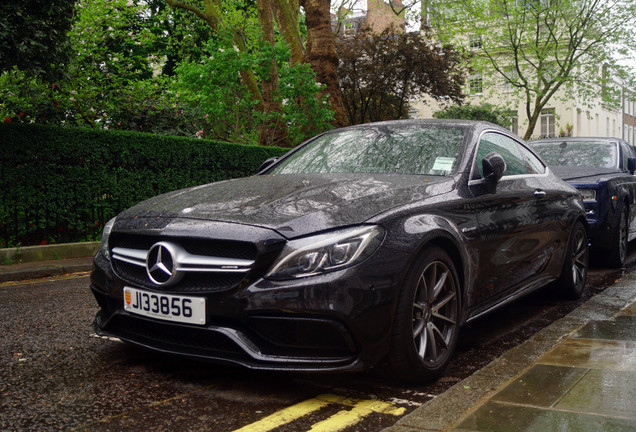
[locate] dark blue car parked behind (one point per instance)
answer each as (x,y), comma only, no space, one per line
(602,169)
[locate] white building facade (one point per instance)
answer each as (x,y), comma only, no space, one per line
(560,117)
(530,46)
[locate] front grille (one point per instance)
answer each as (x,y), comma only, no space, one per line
(195,246)
(192,281)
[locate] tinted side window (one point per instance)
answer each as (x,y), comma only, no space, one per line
(626,152)
(507,148)
(533,163)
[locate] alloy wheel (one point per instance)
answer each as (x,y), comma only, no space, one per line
(579,258)
(435,312)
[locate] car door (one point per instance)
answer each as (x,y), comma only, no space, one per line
(519,223)
(629,185)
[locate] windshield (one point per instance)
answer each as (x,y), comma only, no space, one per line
(596,154)
(391,149)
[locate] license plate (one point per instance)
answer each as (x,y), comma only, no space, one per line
(183,309)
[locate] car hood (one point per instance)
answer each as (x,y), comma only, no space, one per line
(588,174)
(293,205)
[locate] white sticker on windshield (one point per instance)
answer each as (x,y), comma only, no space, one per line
(443,164)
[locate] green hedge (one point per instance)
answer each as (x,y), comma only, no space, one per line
(61,184)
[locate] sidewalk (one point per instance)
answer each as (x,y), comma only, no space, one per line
(578,374)
(34,262)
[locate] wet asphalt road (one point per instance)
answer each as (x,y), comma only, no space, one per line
(56,375)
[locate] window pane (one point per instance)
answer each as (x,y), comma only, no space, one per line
(574,153)
(533,164)
(476,84)
(548,123)
(507,148)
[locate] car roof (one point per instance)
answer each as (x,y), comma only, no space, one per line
(578,139)
(465,124)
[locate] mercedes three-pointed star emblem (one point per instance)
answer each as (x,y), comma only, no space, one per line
(161,264)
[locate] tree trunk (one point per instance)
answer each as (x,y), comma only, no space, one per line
(533,118)
(321,54)
(287,19)
(270,133)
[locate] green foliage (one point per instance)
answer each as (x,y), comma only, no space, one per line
(178,35)
(123,75)
(108,78)
(380,73)
(112,60)
(61,184)
(485,112)
(214,89)
(33,37)
(113,80)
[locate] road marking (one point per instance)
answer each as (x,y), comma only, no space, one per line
(46,279)
(341,420)
(285,416)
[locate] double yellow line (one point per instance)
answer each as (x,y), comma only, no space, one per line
(359,410)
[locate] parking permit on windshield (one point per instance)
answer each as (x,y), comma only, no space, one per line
(443,164)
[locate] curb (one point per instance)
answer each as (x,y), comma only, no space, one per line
(29,254)
(44,269)
(35,262)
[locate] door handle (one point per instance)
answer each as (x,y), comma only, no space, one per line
(539,193)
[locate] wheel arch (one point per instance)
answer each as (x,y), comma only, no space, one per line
(443,233)
(452,249)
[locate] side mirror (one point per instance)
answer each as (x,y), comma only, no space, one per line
(493,167)
(268,162)
(631,165)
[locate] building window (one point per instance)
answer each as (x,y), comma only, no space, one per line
(476,84)
(548,123)
(475,43)
(511,76)
(513,122)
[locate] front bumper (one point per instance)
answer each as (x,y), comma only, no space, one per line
(337,321)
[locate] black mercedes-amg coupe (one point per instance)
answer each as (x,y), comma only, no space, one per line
(365,246)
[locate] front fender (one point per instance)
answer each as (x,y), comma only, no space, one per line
(420,231)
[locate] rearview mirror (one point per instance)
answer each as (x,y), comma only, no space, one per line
(631,165)
(493,167)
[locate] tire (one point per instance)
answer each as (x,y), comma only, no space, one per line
(618,253)
(427,319)
(571,283)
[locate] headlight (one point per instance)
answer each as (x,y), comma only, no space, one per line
(105,234)
(588,194)
(323,253)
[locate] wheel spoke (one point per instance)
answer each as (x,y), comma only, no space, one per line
(435,330)
(422,290)
(436,309)
(432,346)
(418,306)
(579,274)
(423,343)
(439,285)
(431,272)
(418,327)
